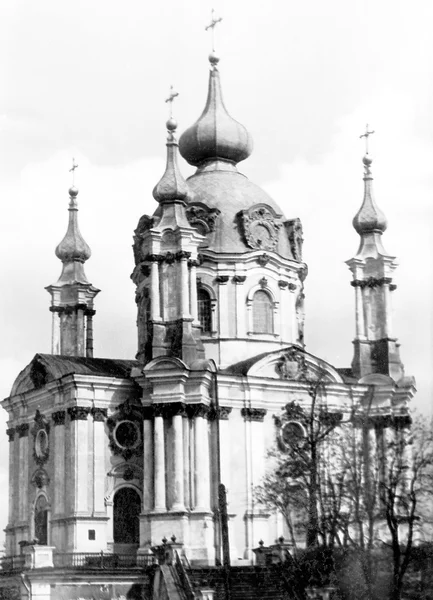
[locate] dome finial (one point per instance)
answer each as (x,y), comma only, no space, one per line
(369,218)
(73,248)
(172,186)
(213,57)
(73,192)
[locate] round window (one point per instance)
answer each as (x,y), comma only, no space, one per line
(127,434)
(292,433)
(41,443)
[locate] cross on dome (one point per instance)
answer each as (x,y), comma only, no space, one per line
(366,135)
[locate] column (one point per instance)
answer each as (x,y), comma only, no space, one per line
(223,305)
(59,462)
(155,292)
(147,464)
(359,311)
(202,466)
(80,454)
(224,412)
(240,306)
(178,487)
(184,286)
(23,477)
(159,462)
(12,504)
(99,471)
(55,331)
(293,316)
(387,308)
(193,289)
(89,332)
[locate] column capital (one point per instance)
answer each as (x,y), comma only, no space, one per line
(198,410)
(99,414)
(78,413)
(22,430)
(222,413)
(10,432)
(59,417)
(253,414)
(222,279)
(239,278)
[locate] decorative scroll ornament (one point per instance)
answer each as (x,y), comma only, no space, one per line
(202,217)
(295,235)
(125,430)
(41,444)
(292,365)
(40,478)
(260,227)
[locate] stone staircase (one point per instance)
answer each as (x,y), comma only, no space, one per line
(246,583)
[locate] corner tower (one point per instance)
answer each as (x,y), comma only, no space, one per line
(250,273)
(375,348)
(165,251)
(72,296)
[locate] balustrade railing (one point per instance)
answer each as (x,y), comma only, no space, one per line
(101,560)
(82,560)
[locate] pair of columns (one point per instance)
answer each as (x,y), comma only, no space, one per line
(176,454)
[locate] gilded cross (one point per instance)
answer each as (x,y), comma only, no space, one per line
(366,135)
(172,95)
(211,26)
(74,166)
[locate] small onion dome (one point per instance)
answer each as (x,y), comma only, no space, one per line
(73,248)
(369,218)
(216,135)
(172,186)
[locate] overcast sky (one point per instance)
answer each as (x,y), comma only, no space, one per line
(88,79)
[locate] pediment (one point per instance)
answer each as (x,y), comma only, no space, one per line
(291,364)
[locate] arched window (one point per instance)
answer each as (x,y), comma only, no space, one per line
(126,514)
(204,310)
(41,520)
(262,313)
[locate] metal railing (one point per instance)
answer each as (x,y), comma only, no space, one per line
(11,564)
(183,577)
(100,560)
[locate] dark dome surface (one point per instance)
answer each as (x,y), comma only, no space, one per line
(231,192)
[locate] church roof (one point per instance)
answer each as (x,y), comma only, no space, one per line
(47,367)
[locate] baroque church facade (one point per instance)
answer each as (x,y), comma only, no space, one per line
(113,455)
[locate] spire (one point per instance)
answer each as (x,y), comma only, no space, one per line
(369,218)
(375,348)
(215,135)
(172,185)
(73,250)
(72,296)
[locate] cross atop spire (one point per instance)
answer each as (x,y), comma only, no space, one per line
(366,135)
(212,26)
(74,166)
(172,95)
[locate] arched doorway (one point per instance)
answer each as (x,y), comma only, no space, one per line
(126,519)
(41,520)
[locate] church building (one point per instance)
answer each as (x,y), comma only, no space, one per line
(108,457)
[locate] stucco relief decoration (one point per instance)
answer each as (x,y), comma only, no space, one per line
(125,430)
(291,426)
(260,227)
(292,365)
(296,239)
(41,444)
(144,224)
(40,479)
(202,217)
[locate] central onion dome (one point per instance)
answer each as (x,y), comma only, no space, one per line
(215,135)
(215,144)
